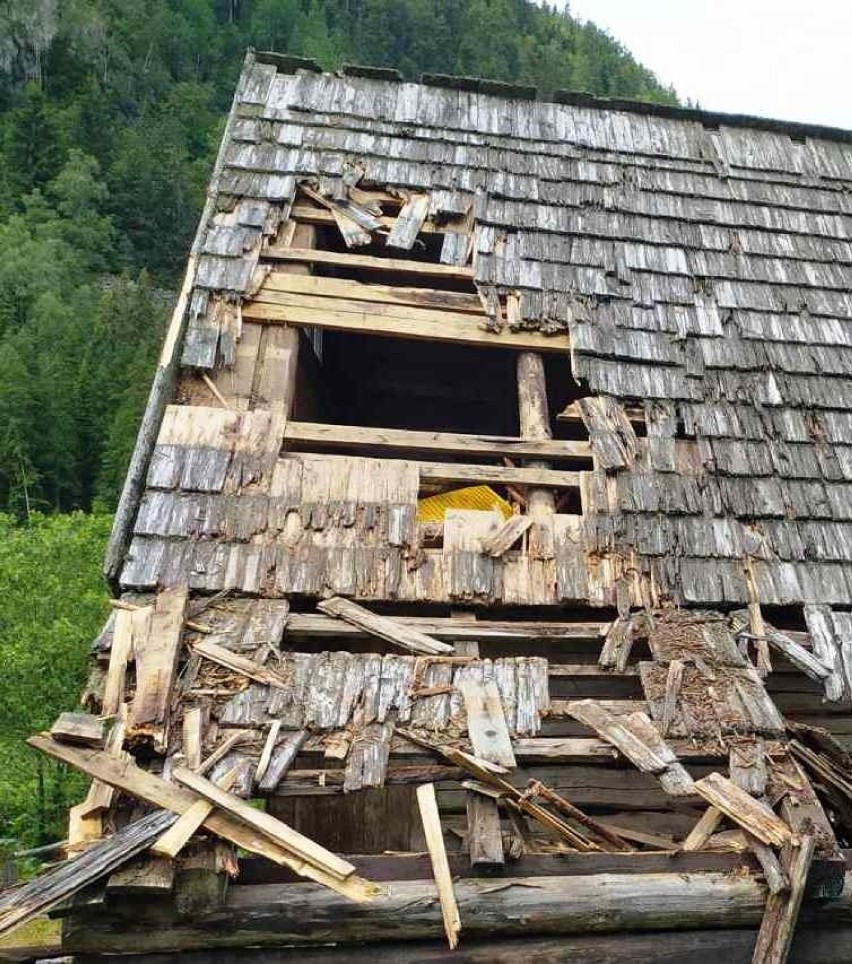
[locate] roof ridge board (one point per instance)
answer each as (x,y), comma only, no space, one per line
(710,119)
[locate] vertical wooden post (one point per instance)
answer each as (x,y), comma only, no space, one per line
(534,423)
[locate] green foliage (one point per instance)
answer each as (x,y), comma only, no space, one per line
(54,603)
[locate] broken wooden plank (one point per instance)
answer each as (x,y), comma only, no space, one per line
(266,753)
(352,436)
(506,536)
(674,679)
(20,904)
(753,815)
(237,664)
(178,835)
(782,910)
(617,645)
(282,759)
(303,847)
(612,837)
(703,830)
(156,663)
(119,656)
(344,288)
(80,728)
(382,626)
(428,805)
(146,786)
(409,222)
(368,262)
(224,748)
(192,736)
(747,766)
(807,662)
(486,722)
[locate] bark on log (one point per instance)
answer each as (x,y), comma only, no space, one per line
(299,914)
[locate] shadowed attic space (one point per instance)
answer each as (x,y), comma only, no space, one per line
(424,386)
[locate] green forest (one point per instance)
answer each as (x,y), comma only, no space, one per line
(110,115)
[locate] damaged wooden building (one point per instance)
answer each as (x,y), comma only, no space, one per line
(483,572)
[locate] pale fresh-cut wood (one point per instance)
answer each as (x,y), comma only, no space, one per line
(428,804)
(178,835)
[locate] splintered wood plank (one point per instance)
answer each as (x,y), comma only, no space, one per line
(428,805)
(506,536)
(782,909)
(409,222)
(384,627)
(747,766)
(397,321)
(382,294)
(178,835)
(156,662)
(119,656)
(264,823)
(703,830)
(282,759)
(751,814)
(798,655)
(20,904)
(486,722)
(266,753)
(346,436)
(368,262)
(820,625)
(238,664)
(81,728)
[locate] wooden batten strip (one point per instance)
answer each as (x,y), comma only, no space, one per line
(353,436)
(367,262)
(238,664)
(383,626)
(456,329)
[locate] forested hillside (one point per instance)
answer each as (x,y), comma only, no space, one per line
(111,111)
(110,114)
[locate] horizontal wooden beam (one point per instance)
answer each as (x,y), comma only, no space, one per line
(390,321)
(365,262)
(300,914)
(495,446)
(448,473)
(826,944)
(314,625)
(323,287)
